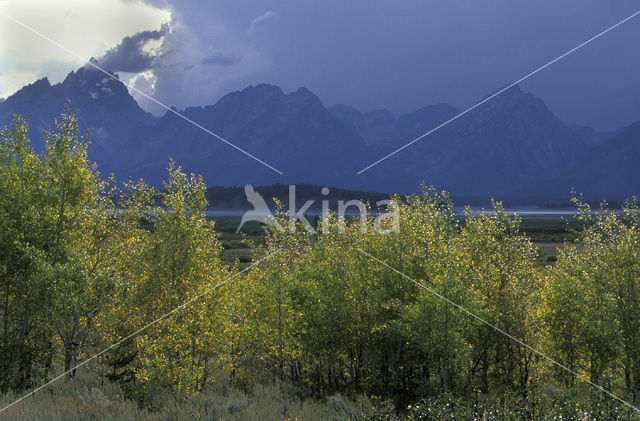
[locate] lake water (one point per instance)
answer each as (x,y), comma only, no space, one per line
(523,212)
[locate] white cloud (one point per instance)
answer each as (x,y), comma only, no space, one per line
(201,58)
(86,27)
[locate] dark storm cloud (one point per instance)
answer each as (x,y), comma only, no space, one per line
(405,55)
(129,56)
(219,58)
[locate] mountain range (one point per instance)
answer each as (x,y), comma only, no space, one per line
(512,146)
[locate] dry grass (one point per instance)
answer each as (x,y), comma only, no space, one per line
(85,399)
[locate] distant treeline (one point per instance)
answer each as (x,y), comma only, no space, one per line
(235,198)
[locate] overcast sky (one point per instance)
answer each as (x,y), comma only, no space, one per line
(398,55)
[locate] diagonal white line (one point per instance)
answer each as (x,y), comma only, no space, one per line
(499,92)
(180,307)
(133,88)
(459,307)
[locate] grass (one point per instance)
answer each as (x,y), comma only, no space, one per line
(85,398)
(549,234)
(551,230)
(238,247)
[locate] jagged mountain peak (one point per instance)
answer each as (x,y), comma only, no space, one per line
(40,83)
(500,147)
(92,64)
(303,92)
(508,89)
(252,100)
(94,83)
(236,108)
(512,100)
(304,99)
(101,102)
(256,93)
(263,88)
(35,90)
